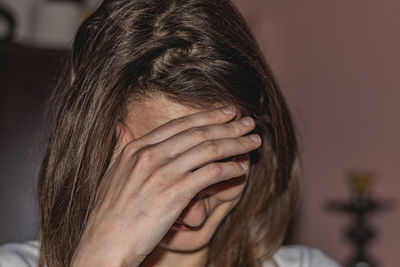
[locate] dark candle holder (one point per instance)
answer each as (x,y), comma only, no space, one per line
(360,207)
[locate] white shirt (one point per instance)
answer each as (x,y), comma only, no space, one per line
(27,254)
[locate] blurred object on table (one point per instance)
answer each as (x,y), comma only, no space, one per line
(361,205)
(27,78)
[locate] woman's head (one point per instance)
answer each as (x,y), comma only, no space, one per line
(198,54)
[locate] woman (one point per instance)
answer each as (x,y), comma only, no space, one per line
(171,144)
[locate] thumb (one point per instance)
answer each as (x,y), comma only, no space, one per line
(124,135)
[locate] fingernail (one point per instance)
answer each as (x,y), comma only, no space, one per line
(246,121)
(229,110)
(255,137)
(244,165)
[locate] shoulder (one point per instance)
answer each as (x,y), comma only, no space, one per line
(24,254)
(300,256)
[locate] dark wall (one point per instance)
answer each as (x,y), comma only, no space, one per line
(27,77)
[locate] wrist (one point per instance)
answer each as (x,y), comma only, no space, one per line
(112,258)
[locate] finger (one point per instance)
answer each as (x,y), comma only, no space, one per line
(113,178)
(124,136)
(207,152)
(215,116)
(211,174)
(179,143)
(146,158)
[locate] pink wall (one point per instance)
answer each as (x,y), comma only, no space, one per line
(339,65)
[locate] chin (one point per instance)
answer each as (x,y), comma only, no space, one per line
(186,241)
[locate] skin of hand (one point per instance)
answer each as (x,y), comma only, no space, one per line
(161,171)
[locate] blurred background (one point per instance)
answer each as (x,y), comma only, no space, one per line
(338,63)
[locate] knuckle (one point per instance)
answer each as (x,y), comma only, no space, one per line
(178,124)
(179,197)
(199,132)
(235,128)
(129,150)
(125,153)
(159,174)
(216,170)
(171,192)
(211,147)
(145,155)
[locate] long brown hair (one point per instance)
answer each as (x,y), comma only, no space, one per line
(198,53)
